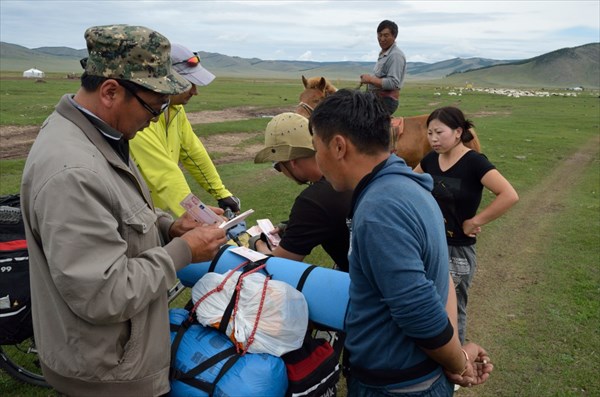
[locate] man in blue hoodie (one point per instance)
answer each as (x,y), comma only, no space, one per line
(399,337)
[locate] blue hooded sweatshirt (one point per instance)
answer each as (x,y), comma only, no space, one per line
(398,277)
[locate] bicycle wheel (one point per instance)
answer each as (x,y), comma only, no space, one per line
(21,362)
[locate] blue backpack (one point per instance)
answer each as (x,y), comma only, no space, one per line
(205,362)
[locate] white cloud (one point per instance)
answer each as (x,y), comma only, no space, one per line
(429,31)
(307,56)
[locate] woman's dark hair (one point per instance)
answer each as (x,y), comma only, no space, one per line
(360,116)
(454,118)
(390,25)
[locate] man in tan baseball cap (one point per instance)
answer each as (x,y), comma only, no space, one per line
(101,257)
(288,145)
(318,216)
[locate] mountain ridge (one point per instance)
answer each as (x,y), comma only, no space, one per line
(566,67)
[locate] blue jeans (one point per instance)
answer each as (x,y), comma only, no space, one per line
(440,388)
(463,263)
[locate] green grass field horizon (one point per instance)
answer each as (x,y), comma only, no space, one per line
(535,301)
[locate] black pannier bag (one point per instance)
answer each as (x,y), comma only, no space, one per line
(15,298)
(314,369)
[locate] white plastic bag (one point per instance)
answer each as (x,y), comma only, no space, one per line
(282,322)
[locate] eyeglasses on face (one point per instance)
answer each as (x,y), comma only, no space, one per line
(153,112)
(192,61)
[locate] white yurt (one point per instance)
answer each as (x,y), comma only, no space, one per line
(34,73)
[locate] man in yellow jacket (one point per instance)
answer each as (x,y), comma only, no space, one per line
(169,140)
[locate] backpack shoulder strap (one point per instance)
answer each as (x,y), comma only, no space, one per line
(213,263)
(189,377)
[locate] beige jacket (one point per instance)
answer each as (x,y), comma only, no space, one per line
(99,273)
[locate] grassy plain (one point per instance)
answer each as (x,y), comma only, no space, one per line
(536,297)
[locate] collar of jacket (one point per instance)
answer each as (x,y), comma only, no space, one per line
(71,112)
(386,52)
(362,185)
(170,114)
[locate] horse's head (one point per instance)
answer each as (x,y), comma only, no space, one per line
(315,89)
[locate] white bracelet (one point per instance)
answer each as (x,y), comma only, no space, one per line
(466,362)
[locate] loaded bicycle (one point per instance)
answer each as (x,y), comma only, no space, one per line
(18,354)
(20,361)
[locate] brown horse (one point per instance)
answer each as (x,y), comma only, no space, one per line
(408,134)
(315,89)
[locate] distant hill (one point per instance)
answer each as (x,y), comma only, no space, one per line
(62,52)
(18,58)
(64,59)
(567,67)
(224,65)
(455,65)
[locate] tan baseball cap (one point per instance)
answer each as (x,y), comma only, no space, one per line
(286,138)
(133,53)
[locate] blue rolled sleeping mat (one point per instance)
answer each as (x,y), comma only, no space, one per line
(325,290)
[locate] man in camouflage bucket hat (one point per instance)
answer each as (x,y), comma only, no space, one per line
(133,53)
(102,258)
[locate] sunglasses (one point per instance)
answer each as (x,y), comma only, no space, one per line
(153,112)
(192,61)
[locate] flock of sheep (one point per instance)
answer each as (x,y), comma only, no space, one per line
(515,93)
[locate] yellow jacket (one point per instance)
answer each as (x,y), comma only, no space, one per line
(157,151)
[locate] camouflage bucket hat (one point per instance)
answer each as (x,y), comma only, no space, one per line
(133,53)
(286,138)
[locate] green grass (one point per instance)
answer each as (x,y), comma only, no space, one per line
(251,125)
(551,345)
(567,297)
(543,335)
(26,102)
(227,93)
(10,173)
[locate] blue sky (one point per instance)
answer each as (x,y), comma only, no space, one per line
(429,31)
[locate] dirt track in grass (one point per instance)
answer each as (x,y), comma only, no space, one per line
(15,141)
(504,274)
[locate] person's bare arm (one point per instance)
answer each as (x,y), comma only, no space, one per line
(370,79)
(278,252)
(506,197)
